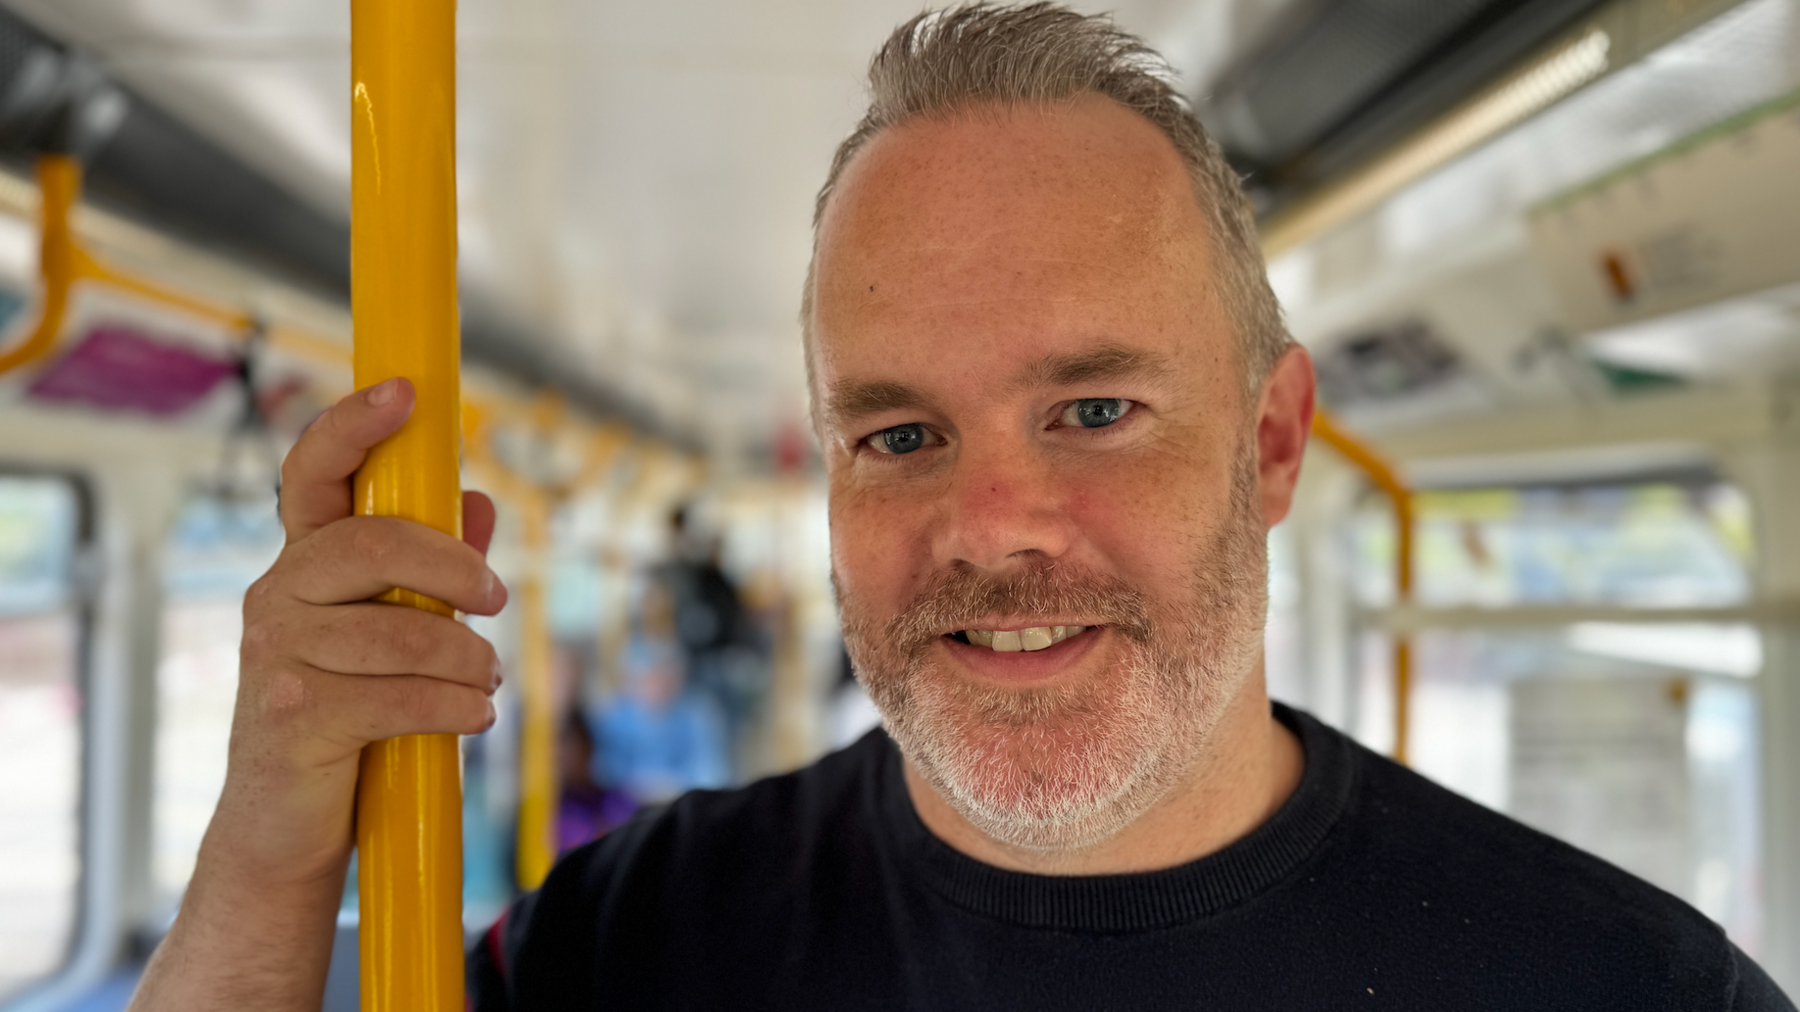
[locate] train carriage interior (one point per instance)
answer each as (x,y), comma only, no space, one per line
(1544,255)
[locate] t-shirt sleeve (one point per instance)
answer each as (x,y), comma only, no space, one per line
(1755,992)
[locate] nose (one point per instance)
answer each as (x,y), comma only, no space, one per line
(1004,507)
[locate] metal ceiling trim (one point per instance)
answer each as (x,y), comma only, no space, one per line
(1631,29)
(1344,78)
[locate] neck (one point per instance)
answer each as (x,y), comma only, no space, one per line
(1248,770)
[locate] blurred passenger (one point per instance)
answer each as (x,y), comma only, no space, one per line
(657,738)
(726,658)
(586,810)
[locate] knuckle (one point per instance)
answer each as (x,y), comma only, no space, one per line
(256,597)
(414,643)
(417,702)
(284,697)
(370,544)
(260,639)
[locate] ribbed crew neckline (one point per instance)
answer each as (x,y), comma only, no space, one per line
(1145,900)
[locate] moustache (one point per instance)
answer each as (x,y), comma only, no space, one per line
(959,596)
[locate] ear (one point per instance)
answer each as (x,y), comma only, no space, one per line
(1283,423)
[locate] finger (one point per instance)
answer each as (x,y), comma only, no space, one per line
(359,558)
(315,477)
(383,639)
(478,520)
(358,709)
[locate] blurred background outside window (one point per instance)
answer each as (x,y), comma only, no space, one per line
(41,628)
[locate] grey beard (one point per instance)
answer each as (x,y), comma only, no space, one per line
(1056,770)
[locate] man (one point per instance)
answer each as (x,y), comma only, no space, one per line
(1059,414)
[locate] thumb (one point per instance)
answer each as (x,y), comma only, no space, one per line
(316,476)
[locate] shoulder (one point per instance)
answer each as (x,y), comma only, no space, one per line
(1444,836)
(1456,876)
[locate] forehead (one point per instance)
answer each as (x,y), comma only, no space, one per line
(1001,220)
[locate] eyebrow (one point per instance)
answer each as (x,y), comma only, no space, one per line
(853,399)
(1109,361)
(849,400)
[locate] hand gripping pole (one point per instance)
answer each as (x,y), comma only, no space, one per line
(403,306)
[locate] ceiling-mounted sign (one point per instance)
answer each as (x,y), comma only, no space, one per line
(1714,215)
(116,368)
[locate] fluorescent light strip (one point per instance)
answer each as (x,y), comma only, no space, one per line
(1526,93)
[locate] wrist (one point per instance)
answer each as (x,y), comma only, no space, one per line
(264,858)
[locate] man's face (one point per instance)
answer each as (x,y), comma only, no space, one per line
(1046,532)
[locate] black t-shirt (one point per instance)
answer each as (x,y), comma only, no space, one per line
(1371,888)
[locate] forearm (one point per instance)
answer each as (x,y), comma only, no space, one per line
(242,944)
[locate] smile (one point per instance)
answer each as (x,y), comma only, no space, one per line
(1007,641)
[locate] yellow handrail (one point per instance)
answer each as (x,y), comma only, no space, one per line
(403,307)
(62,261)
(1387,479)
(59,183)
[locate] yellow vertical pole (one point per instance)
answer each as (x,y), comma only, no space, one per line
(537,741)
(403,305)
(1403,585)
(1388,480)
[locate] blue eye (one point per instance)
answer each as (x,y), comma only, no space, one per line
(1095,412)
(902,438)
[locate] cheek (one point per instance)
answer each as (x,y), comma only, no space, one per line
(1147,518)
(879,547)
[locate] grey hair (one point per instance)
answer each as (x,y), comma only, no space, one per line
(941,62)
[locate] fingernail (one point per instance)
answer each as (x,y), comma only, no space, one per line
(493,715)
(492,591)
(494,686)
(384,392)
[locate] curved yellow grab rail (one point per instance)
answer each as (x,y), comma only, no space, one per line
(1383,475)
(404,310)
(62,261)
(59,262)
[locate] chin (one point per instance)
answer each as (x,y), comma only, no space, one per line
(1059,769)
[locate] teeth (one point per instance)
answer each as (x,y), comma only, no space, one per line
(1013,641)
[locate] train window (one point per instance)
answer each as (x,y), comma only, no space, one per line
(40,726)
(216,549)
(1647,545)
(1542,689)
